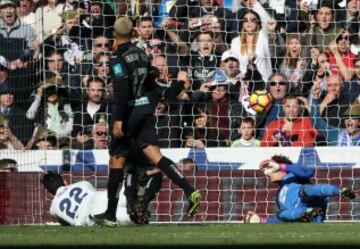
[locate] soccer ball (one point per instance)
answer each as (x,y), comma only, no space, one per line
(260,100)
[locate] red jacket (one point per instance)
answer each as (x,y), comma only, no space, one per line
(303,134)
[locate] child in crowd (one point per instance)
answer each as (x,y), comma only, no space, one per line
(246,131)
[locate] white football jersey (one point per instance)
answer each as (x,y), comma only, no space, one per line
(74,203)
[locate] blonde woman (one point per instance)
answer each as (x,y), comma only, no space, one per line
(252,44)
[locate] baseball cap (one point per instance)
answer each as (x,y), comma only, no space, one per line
(228,54)
(4,3)
(123,25)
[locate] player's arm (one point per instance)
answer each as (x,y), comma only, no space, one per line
(121,84)
(270,166)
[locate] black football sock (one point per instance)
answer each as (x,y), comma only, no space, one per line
(152,187)
(113,188)
(130,188)
(171,170)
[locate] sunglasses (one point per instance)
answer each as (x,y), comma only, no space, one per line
(101,133)
(274,83)
(343,37)
(102,45)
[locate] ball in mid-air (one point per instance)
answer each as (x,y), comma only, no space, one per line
(260,100)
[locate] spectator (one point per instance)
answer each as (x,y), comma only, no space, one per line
(240,86)
(7,139)
(325,29)
(167,112)
(67,38)
(246,131)
(145,30)
(51,109)
(216,97)
(20,126)
(334,103)
(352,88)
(252,44)
(175,59)
(291,16)
(8,165)
(204,132)
(334,136)
(291,130)
(101,18)
(25,14)
(96,136)
(340,57)
(203,63)
(16,38)
(294,63)
(100,44)
(278,87)
(100,135)
(208,15)
(49,12)
(87,114)
(349,16)
(44,139)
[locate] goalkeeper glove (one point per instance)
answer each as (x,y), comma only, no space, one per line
(251,217)
(270,167)
(310,213)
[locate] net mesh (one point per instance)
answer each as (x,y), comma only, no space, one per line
(56,89)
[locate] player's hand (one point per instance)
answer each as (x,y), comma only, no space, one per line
(251,217)
(310,213)
(117,129)
(269,166)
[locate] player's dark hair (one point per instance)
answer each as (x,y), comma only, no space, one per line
(248,120)
(281,159)
(52,181)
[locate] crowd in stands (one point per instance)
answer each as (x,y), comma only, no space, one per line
(56,87)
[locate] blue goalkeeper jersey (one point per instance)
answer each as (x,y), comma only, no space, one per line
(289,201)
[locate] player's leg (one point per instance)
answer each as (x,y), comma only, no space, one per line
(147,140)
(326,190)
(118,151)
(170,169)
(149,184)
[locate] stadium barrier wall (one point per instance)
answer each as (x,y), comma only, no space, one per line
(227,178)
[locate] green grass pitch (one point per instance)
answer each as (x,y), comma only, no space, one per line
(172,234)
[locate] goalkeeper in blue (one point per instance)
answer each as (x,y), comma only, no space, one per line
(298,200)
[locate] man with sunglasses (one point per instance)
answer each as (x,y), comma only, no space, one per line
(340,57)
(278,86)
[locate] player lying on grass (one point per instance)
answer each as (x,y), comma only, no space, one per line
(297,199)
(77,203)
(73,204)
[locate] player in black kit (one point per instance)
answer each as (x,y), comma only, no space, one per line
(136,95)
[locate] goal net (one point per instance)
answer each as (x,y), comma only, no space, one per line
(284,75)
